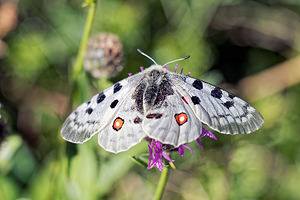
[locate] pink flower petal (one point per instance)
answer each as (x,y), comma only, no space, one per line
(207,133)
(176,67)
(180,150)
(166,156)
(159,166)
(150,156)
(187,147)
(211,135)
(199,142)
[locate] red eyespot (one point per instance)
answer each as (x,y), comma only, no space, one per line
(181,118)
(118,123)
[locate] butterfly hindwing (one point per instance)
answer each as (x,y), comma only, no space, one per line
(173,122)
(216,107)
(92,116)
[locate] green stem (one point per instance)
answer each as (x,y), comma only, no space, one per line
(87,31)
(161,184)
(71,149)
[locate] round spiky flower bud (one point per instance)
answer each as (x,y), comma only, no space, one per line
(104,55)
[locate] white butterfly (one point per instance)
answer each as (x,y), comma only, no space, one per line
(159,104)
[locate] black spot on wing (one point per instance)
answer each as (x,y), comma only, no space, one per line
(217,93)
(114,103)
(198,84)
(231,96)
(117,87)
(89,110)
(195,100)
(101,97)
(90,121)
(88,102)
(228,104)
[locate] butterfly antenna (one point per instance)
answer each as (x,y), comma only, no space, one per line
(147,56)
(177,60)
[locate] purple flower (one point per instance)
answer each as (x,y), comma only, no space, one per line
(204,134)
(156,155)
(181,150)
(158,150)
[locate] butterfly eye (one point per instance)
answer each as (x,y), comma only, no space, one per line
(118,123)
(181,118)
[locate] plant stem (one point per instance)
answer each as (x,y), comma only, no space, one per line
(161,184)
(71,149)
(87,31)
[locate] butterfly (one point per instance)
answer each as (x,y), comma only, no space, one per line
(159,104)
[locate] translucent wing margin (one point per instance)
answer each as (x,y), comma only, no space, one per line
(216,107)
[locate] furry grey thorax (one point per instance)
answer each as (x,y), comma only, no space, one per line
(153,89)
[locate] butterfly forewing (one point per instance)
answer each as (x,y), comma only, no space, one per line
(95,114)
(216,107)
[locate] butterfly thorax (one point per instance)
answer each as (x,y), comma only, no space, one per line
(153,89)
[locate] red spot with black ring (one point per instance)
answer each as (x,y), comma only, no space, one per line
(118,123)
(181,118)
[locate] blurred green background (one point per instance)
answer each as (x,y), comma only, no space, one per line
(248,47)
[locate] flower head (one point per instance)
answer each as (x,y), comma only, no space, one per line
(156,154)
(159,151)
(104,56)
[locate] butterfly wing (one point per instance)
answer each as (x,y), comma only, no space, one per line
(124,130)
(92,116)
(173,122)
(216,107)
